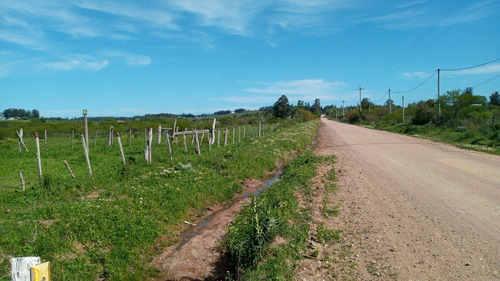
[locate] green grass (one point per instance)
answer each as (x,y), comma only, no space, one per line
(484,138)
(106,226)
(274,213)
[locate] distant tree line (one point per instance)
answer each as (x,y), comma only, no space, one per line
(20,113)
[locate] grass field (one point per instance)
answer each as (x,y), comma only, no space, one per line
(107,226)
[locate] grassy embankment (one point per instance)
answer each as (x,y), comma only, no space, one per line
(486,139)
(270,236)
(106,226)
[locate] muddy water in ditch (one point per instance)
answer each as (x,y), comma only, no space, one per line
(195,231)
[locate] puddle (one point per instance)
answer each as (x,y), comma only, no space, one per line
(196,230)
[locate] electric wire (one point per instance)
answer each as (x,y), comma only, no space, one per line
(482,83)
(425,81)
(469,67)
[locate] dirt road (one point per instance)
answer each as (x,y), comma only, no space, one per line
(413,209)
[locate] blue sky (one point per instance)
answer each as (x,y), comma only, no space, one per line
(126,58)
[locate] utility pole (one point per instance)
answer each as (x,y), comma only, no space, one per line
(439,97)
(343,109)
(403,109)
(360,97)
(390,102)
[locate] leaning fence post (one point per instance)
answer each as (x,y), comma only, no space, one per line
(86,151)
(121,148)
(167,141)
(198,151)
(69,169)
(38,158)
(21,142)
(22,179)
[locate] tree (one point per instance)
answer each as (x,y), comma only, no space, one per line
(316,108)
(495,98)
(423,114)
(282,108)
(240,110)
(388,102)
(300,104)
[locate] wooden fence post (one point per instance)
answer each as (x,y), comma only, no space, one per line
(226,133)
(20,135)
(86,151)
(22,179)
(212,137)
(198,151)
(159,134)
(218,138)
(239,134)
(38,158)
(45,138)
(69,169)
(150,141)
(185,144)
(167,141)
(86,128)
(244,132)
(121,148)
(110,139)
(21,142)
(233,134)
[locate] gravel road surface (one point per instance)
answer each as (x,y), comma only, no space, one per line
(413,209)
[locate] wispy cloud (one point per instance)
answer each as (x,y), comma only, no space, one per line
(130,59)
(487,69)
(417,74)
(78,63)
(299,87)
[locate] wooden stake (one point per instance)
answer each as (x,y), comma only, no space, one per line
(86,129)
(185,144)
(212,138)
(239,134)
(226,133)
(45,138)
(110,139)
(121,148)
(21,142)
(167,141)
(218,138)
(86,151)
(38,158)
(198,151)
(244,132)
(233,134)
(150,141)
(159,134)
(69,169)
(22,179)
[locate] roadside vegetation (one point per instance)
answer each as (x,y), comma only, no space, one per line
(270,236)
(466,120)
(110,225)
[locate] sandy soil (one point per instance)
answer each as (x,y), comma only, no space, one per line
(410,209)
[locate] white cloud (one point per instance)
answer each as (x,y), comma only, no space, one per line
(418,74)
(299,87)
(487,69)
(77,64)
(130,59)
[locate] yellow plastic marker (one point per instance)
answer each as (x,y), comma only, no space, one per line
(40,272)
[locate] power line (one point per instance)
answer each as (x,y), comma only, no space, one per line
(425,81)
(469,67)
(491,79)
